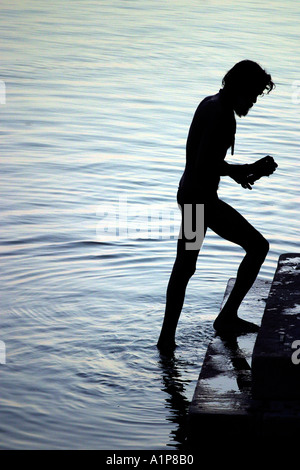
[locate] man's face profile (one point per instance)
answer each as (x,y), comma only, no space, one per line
(244,102)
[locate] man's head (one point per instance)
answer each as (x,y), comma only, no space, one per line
(244,83)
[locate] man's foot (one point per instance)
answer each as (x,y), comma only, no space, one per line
(166,347)
(234,327)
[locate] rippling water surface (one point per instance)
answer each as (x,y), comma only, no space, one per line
(99,98)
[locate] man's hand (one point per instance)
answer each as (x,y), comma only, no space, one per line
(246,175)
(263,167)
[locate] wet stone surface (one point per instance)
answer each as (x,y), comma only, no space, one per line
(222,396)
(226,397)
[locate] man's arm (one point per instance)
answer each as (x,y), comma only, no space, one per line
(238,173)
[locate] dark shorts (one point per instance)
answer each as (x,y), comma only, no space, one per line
(196,211)
(189,197)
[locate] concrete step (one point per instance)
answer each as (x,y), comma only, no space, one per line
(275,362)
(249,386)
(223,398)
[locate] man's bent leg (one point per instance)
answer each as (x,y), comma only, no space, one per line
(232,226)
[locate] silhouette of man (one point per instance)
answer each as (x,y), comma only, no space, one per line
(211,134)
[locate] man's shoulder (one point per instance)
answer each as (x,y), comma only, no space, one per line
(211,106)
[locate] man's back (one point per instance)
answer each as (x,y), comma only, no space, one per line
(211,134)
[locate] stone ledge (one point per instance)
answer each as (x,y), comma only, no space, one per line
(222,398)
(223,403)
(274,375)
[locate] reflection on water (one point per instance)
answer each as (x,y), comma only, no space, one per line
(176,401)
(99,98)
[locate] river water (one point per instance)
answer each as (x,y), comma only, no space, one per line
(96,101)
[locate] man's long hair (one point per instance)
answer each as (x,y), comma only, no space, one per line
(247,75)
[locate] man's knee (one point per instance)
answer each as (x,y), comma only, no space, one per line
(266,246)
(187,268)
(263,247)
(259,246)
